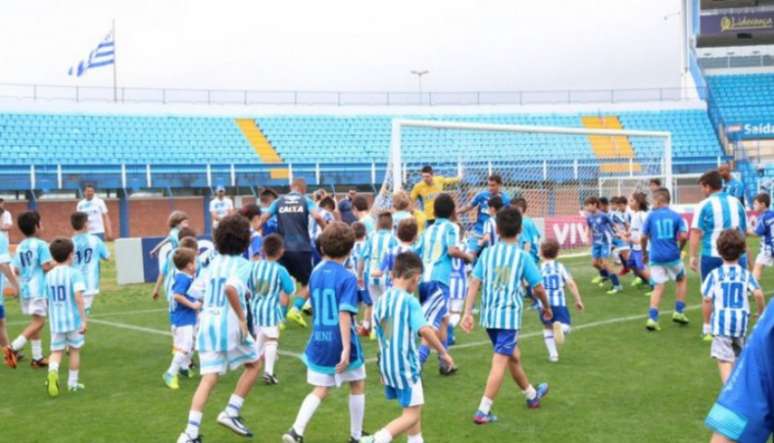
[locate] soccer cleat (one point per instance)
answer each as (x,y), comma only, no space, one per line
(597,280)
(292,437)
(362,331)
(372,335)
(235,424)
(637,282)
(652,325)
(601,284)
(76,387)
(295,316)
(482,419)
(307,308)
(171,381)
(52,383)
(185,438)
(186,373)
(10,357)
(615,290)
(39,363)
(541,391)
(680,318)
(553,359)
(270,379)
(283,325)
(558,333)
(446,372)
(707,338)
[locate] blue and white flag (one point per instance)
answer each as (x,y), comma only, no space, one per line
(103,55)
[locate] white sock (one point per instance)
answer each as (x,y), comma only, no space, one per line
(37,349)
(270,356)
(566,328)
(486,405)
(72,378)
(18,343)
(178,361)
(706,329)
(548,336)
(382,436)
(356,414)
(530,393)
(53,367)
(310,404)
(194,421)
(416,438)
(235,403)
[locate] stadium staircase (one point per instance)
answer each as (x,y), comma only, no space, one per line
(261,145)
(606,147)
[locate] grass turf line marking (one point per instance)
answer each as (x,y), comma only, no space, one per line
(106,314)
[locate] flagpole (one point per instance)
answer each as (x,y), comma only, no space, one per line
(115,76)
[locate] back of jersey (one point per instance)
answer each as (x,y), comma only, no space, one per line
(63,282)
(397,318)
(728,287)
(89,250)
(219,325)
(30,256)
(554,278)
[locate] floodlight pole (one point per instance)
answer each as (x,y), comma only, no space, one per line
(420,74)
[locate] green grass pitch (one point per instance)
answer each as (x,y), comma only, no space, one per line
(615,381)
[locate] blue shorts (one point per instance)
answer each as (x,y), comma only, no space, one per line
(636,260)
(709,264)
(435,302)
(504,341)
(2,310)
(407,397)
(561,314)
(600,251)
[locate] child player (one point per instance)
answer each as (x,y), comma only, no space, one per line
(223,341)
(666,232)
(490,226)
(352,264)
(764,228)
(501,270)
(89,251)
(271,287)
(620,220)
(398,320)
(32,261)
(252,213)
(407,234)
(325,208)
(638,203)
(5,270)
(333,355)
(183,309)
(458,288)
(599,228)
(555,279)
(177,220)
(67,315)
(726,304)
(378,244)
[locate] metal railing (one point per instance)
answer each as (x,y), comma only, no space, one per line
(97,94)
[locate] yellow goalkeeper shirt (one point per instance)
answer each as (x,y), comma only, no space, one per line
(428,193)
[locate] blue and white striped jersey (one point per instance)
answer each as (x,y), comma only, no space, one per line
(377,246)
(490,229)
(89,250)
(5,258)
(433,249)
(168,271)
(267,279)
(397,321)
(30,256)
(314,229)
(355,257)
(173,237)
(728,287)
(218,323)
(255,248)
(620,219)
(458,281)
(555,276)
(63,282)
(389,261)
(501,269)
(715,214)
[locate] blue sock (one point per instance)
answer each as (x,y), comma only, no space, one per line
(298,303)
(679,306)
(653,314)
(450,335)
(604,273)
(614,280)
(424,353)
(284,310)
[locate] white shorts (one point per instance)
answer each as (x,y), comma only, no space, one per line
(663,273)
(35,306)
(726,349)
(222,362)
(262,335)
(414,395)
(62,340)
(183,338)
(319,379)
(764,258)
(456,306)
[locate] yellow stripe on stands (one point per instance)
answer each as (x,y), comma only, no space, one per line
(261,145)
(606,147)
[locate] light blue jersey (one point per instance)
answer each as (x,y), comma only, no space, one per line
(715,214)
(530,234)
(501,269)
(377,246)
(218,323)
(168,271)
(267,279)
(314,228)
(728,287)
(434,248)
(389,261)
(172,237)
(31,254)
(555,276)
(490,230)
(354,259)
(481,203)
(63,282)
(397,217)
(5,258)
(458,281)
(397,320)
(89,250)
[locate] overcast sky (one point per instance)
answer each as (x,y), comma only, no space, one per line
(348,44)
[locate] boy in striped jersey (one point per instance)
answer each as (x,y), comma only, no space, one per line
(325,208)
(223,341)
(32,261)
(89,251)
(5,270)
(176,221)
(555,279)
(333,355)
(252,213)
(407,235)
(271,288)
(490,226)
(458,289)
(67,315)
(726,305)
(501,270)
(378,244)
(398,320)
(764,228)
(352,264)
(620,220)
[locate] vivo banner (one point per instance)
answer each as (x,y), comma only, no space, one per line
(731,24)
(751,131)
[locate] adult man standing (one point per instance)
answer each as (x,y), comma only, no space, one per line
(731,185)
(95,207)
(220,206)
(716,213)
(481,203)
(6,220)
(428,189)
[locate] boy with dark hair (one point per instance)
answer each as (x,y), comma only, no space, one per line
(90,250)
(726,304)
(481,203)
(407,235)
(599,228)
(252,213)
(266,198)
(325,207)
(764,228)
(32,261)
(361,209)
(490,227)
(529,239)
(67,315)
(223,341)
(398,321)
(333,355)
(501,270)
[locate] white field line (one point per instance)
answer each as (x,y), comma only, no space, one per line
(106,314)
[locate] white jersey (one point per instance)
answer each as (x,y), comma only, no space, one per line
(221,208)
(555,276)
(95,209)
(314,228)
(635,229)
(63,282)
(218,323)
(89,250)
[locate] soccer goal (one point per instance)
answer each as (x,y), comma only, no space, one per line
(553,168)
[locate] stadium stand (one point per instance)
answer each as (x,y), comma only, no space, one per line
(743,97)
